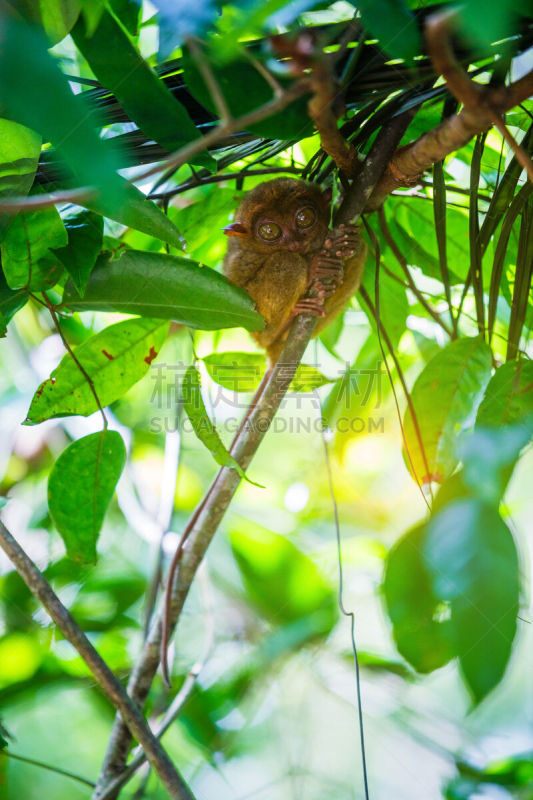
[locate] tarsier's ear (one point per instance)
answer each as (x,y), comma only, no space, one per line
(236,229)
(327,194)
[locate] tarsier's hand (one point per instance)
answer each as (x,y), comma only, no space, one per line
(326,269)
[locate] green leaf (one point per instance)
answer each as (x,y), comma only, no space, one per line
(489,456)
(393,24)
(114,360)
(393,305)
(167,287)
(242,372)
(128,12)
(412,225)
(10,301)
(199,221)
(92,11)
(203,427)
(85,233)
(80,488)
(291,123)
(19,148)
(3,501)
(509,395)
(35,93)
(284,584)
(308,378)
(236,371)
(445,398)
(119,67)
(473,562)
(27,259)
(139,213)
(420,635)
(56,17)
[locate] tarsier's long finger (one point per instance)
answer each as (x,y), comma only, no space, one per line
(309,305)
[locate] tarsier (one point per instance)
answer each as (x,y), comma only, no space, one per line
(282,253)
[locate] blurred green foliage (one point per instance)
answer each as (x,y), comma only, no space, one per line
(90,92)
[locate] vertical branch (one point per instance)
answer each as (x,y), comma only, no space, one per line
(130,712)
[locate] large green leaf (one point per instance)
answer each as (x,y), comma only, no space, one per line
(284,583)
(35,93)
(10,301)
(85,233)
(421,637)
(27,259)
(509,395)
(19,156)
(445,398)
(168,287)
(119,67)
(80,487)
(473,563)
(489,456)
(56,17)
(114,360)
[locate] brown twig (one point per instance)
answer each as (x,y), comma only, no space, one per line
(81,195)
(227,176)
(74,357)
(111,686)
(483,108)
(210,80)
(323,106)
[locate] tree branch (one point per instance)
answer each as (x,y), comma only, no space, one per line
(227,480)
(109,683)
(483,107)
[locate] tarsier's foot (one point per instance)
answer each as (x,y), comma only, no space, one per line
(342,242)
(325,272)
(310,305)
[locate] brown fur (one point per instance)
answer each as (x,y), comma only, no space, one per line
(277,274)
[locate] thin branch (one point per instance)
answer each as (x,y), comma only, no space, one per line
(185,153)
(74,357)
(323,106)
(82,195)
(170,716)
(109,683)
(57,770)
(227,176)
(226,482)
(483,107)
(210,80)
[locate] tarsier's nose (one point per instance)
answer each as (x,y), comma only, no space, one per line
(294,245)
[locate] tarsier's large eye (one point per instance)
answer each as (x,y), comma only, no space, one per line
(305,217)
(269,231)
